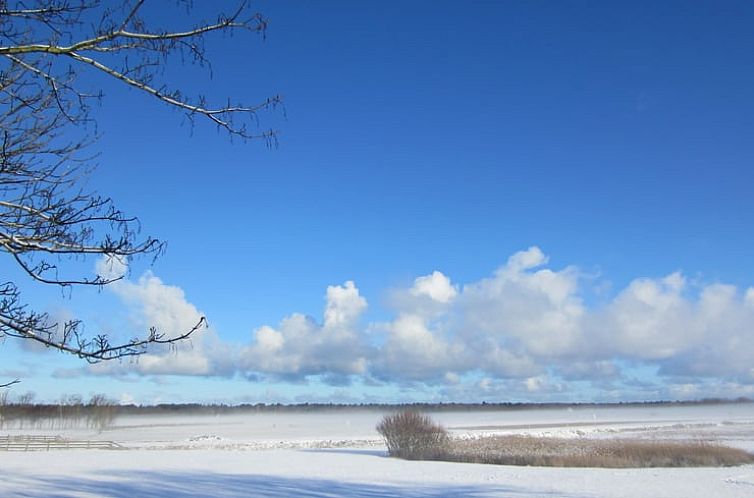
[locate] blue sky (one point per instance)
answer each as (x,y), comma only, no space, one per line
(470,201)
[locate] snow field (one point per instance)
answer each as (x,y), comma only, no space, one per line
(334,454)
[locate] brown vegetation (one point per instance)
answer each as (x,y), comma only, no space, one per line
(613,453)
(413,436)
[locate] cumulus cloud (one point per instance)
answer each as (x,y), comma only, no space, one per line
(526,321)
(500,325)
(525,308)
(649,320)
(525,327)
(415,351)
(416,347)
(300,346)
(721,336)
(435,286)
(165,307)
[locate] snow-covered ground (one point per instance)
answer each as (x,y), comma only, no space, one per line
(333,454)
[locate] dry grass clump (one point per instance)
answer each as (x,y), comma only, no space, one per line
(413,436)
(615,453)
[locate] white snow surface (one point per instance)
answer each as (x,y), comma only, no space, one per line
(339,454)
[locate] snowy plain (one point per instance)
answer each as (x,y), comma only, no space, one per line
(339,454)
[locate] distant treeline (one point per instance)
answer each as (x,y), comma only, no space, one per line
(215,409)
(99,412)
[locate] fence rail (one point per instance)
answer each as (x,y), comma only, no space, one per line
(47,443)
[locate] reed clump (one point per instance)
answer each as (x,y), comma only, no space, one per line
(414,436)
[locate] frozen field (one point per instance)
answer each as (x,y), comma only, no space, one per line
(329,454)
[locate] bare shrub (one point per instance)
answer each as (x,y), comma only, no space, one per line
(413,436)
(616,453)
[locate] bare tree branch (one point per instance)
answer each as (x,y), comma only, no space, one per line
(46,216)
(164,42)
(8,384)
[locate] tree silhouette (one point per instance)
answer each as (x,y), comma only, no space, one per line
(46,215)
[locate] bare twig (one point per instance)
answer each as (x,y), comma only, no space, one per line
(46,217)
(8,384)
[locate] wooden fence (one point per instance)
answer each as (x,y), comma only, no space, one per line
(47,443)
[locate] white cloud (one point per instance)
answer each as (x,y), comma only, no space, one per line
(436,286)
(721,341)
(527,319)
(649,320)
(153,303)
(526,310)
(111,267)
(534,384)
(525,327)
(160,305)
(300,347)
(504,325)
(413,351)
(344,306)
(526,260)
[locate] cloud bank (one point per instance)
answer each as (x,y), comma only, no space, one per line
(526,324)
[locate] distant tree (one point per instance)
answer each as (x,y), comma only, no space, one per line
(24,402)
(101,412)
(3,403)
(46,125)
